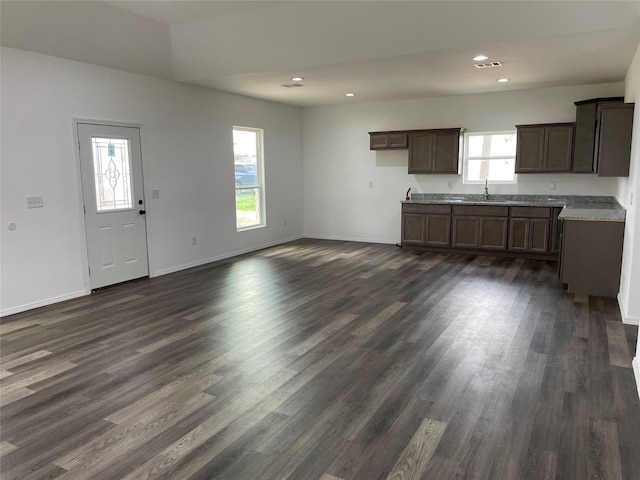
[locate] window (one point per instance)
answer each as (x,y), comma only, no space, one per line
(249,166)
(112,173)
(490,156)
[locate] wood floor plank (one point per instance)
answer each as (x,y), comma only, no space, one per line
(326,476)
(618,347)
(183,386)
(414,459)
(26,359)
(379,319)
(6,447)
(95,456)
(172,454)
(327,360)
(604,458)
(14,394)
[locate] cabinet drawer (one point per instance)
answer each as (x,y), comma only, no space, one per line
(531,212)
(426,208)
(482,210)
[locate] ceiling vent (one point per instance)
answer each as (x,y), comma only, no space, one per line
(488,65)
(293,85)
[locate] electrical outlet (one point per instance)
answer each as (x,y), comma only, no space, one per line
(450,185)
(155,193)
(370,184)
(552,185)
(194,240)
(35,202)
(285,222)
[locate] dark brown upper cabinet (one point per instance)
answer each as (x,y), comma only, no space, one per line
(544,148)
(613,140)
(603,136)
(388,141)
(430,151)
(435,151)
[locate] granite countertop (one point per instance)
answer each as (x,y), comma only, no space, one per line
(594,214)
(575,207)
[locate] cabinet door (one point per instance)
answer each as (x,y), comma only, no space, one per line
(556,230)
(378,141)
(613,149)
(529,149)
(398,140)
(438,230)
(493,233)
(587,266)
(539,236)
(447,149)
(519,235)
(413,229)
(585,137)
(421,151)
(558,148)
(465,232)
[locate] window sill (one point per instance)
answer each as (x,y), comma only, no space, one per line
(251,227)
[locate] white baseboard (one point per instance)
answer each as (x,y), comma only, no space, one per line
(43,303)
(636,372)
(351,239)
(185,266)
(626,318)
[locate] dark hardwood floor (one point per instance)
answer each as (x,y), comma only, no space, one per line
(324,360)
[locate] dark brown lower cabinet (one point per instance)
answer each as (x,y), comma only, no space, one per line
(493,233)
(426,225)
(437,230)
(529,229)
(556,231)
(487,233)
(592,257)
(482,227)
(465,232)
(517,230)
(413,228)
(529,235)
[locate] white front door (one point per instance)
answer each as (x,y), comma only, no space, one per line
(111,167)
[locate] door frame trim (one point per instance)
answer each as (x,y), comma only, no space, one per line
(82,233)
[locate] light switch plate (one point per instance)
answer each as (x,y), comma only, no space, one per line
(155,193)
(35,201)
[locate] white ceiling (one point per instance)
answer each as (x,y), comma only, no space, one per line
(381,50)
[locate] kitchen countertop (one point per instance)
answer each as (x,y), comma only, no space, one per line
(575,207)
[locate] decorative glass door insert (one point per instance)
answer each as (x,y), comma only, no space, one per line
(112,174)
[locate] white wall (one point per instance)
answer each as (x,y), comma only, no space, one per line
(187,155)
(338,165)
(629,194)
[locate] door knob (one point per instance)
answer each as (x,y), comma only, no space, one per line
(142,212)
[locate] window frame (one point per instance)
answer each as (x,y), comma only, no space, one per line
(260,183)
(465,158)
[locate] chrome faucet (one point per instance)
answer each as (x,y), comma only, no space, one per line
(486,189)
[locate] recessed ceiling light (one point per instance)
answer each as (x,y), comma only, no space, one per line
(480,58)
(503,80)
(297,79)
(350,94)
